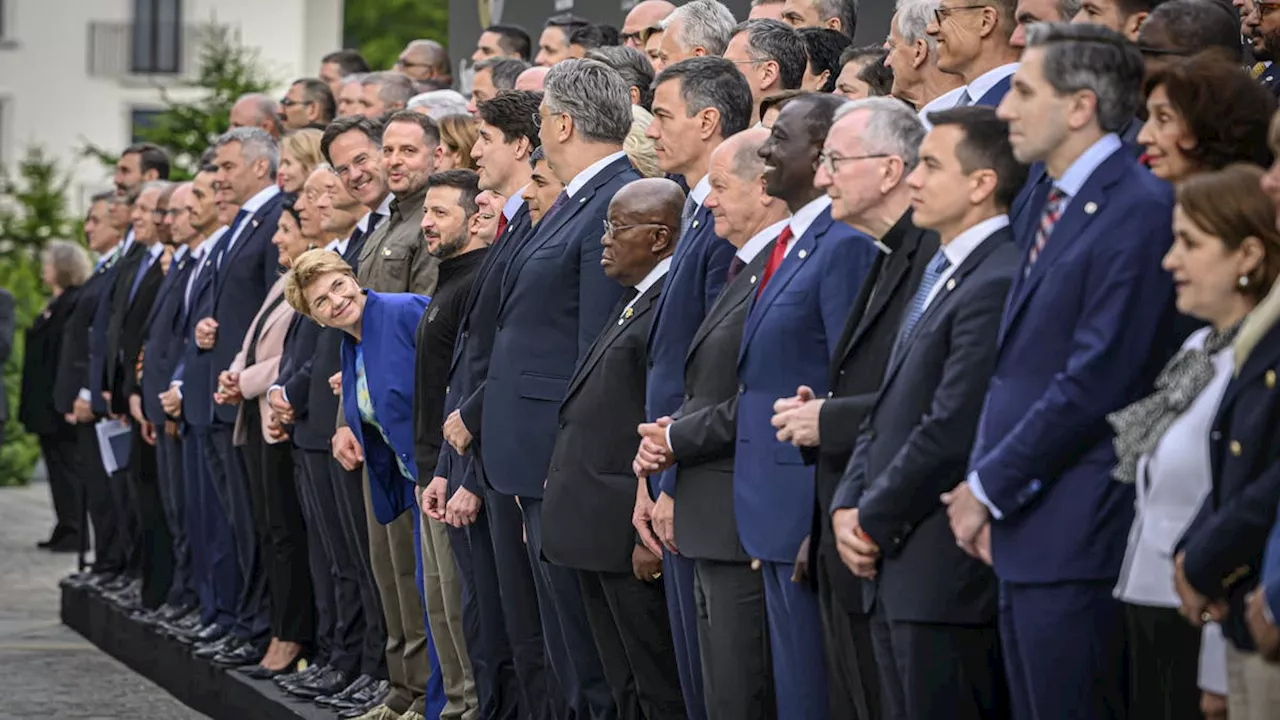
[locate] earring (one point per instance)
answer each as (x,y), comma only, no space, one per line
(1244,281)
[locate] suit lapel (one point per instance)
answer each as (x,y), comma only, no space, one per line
(251,225)
(896,269)
(732,296)
(796,258)
(613,331)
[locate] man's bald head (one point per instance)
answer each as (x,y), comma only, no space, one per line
(643,228)
(256,110)
(531,80)
(741,153)
(643,16)
(425,60)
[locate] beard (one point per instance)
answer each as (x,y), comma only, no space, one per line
(448,248)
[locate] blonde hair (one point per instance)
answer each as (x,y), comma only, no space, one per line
(639,148)
(71,266)
(458,134)
(306,269)
(304,146)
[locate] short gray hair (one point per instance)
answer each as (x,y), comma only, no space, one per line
(913,16)
(440,103)
(594,95)
(503,70)
(632,65)
(1093,58)
(159,186)
(71,267)
(255,145)
(892,128)
(1067,9)
(393,87)
(844,10)
(706,24)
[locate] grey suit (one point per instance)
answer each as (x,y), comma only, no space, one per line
(733,634)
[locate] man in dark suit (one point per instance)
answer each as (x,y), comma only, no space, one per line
(590,492)
(973,42)
(244,268)
(504,633)
(1072,350)
(872,196)
(733,630)
(936,642)
(555,301)
(697,104)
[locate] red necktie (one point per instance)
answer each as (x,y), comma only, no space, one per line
(775,258)
(502,225)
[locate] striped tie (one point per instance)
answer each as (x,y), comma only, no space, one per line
(932,273)
(1256,71)
(1049,218)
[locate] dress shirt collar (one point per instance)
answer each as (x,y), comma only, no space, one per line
(960,247)
(512,206)
(701,190)
(945,101)
(213,238)
(760,240)
(179,253)
(255,203)
(335,245)
(987,80)
(804,217)
(654,276)
(155,251)
(1079,171)
(592,170)
(127,245)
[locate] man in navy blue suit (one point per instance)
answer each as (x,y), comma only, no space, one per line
(1088,321)
(973,42)
(245,265)
(555,300)
(697,104)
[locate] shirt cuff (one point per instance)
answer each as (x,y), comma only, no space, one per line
(283,393)
(975,485)
(85,394)
(1266,607)
(667,430)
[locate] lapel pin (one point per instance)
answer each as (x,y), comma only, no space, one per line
(1090,208)
(804,254)
(753,279)
(695,223)
(386,252)
(581,200)
(1271,379)
(255,222)
(951,284)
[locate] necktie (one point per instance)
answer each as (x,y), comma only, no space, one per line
(502,226)
(965,99)
(1048,219)
(1256,71)
(735,267)
(143,267)
(686,217)
(374,219)
(198,259)
(561,200)
(932,273)
(224,242)
(775,258)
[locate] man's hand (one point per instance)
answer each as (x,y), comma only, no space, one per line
(1265,634)
(642,518)
(347,450)
(335,383)
(796,418)
(148,432)
(800,571)
(135,409)
(281,407)
(82,410)
(1194,606)
(206,333)
(857,550)
(663,517)
(1213,706)
(456,432)
(967,514)
(463,508)
(275,430)
(171,401)
(646,565)
(432,498)
(982,545)
(171,429)
(653,455)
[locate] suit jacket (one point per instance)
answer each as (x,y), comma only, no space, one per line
(698,270)
(394,258)
(128,319)
(855,374)
(257,376)
(195,371)
(555,300)
(74,352)
(321,402)
(704,434)
(1271,80)
(109,320)
(387,337)
(1083,335)
(591,490)
(37,409)
(163,339)
(240,282)
(309,431)
(1225,543)
(470,363)
(791,334)
(993,96)
(915,445)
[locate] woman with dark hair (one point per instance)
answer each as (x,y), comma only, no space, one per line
(1204,113)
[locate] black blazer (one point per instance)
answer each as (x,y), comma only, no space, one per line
(73,353)
(915,445)
(1225,542)
(704,435)
(856,373)
(591,490)
(127,328)
(308,432)
(36,408)
(164,338)
(321,403)
(117,303)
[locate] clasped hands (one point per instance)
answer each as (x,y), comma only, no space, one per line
(228,392)
(460,511)
(206,333)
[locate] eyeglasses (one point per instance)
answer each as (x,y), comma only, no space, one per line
(610,229)
(411,64)
(831,161)
(628,37)
(287,103)
(1161,52)
(942,13)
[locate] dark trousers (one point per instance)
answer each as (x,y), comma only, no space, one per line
(97,499)
(340,621)
(795,637)
(124,509)
(60,450)
(931,670)
(154,545)
(1064,650)
(682,607)
(853,681)
(226,463)
(173,495)
(284,535)
(629,622)
(349,494)
(1164,664)
(733,635)
(574,657)
(213,545)
(520,608)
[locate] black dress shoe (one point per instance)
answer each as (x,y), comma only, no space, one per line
(301,676)
(245,654)
(326,683)
(66,544)
(371,696)
(209,651)
(368,705)
(258,672)
(212,633)
(342,700)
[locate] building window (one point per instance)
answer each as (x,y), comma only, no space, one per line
(140,120)
(157,37)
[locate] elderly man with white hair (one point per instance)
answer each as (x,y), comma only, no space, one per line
(439,103)
(913,57)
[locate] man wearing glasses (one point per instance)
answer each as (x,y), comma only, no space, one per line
(974,42)
(426,60)
(309,103)
(770,55)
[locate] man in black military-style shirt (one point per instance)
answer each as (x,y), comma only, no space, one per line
(457,234)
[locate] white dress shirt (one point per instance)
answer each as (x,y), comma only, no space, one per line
(512,206)
(945,101)
(982,84)
(760,240)
(643,286)
(804,218)
(961,247)
(584,177)
(253,205)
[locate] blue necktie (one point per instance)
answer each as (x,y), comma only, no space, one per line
(224,242)
(932,273)
(142,272)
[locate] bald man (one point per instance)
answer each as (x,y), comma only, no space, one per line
(425,60)
(531,79)
(589,495)
(256,110)
(642,17)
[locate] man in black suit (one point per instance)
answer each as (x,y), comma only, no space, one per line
(733,637)
(936,640)
(590,491)
(871,195)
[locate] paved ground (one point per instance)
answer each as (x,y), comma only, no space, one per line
(47,670)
